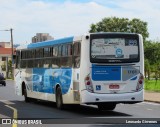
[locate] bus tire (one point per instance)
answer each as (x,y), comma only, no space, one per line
(59,100)
(107,107)
(26,99)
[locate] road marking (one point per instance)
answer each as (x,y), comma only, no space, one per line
(136,106)
(149,109)
(140,103)
(7,102)
(14,114)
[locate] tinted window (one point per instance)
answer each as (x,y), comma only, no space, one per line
(114,48)
(76,56)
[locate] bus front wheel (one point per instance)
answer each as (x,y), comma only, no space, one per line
(59,100)
(109,106)
(27,99)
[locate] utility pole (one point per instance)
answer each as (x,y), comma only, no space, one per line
(7,67)
(12,52)
(12,44)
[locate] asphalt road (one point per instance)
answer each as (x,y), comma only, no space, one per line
(13,106)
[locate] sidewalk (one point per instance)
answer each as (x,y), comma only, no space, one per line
(151,96)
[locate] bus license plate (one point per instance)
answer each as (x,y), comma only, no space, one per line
(114,86)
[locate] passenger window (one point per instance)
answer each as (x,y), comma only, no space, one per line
(76,54)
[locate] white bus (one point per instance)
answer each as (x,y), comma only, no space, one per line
(102,69)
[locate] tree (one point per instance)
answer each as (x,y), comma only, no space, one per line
(115,24)
(147,68)
(9,67)
(152,58)
(152,51)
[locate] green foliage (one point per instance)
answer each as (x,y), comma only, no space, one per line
(152,51)
(10,66)
(152,55)
(3,67)
(147,68)
(115,24)
(152,85)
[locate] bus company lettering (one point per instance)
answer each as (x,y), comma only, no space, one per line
(132,71)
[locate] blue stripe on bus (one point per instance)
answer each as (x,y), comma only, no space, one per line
(114,73)
(50,42)
(106,73)
(134,78)
(44,80)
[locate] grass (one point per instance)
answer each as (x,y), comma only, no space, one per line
(152,85)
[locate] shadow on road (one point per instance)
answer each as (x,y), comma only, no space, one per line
(50,114)
(5,112)
(80,110)
(2,85)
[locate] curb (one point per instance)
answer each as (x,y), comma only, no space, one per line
(152,101)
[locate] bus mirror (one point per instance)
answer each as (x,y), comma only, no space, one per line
(14,57)
(87,37)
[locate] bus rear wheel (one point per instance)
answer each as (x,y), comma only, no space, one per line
(107,107)
(59,100)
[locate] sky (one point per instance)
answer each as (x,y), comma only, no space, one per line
(63,18)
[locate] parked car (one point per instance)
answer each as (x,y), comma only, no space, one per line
(2,80)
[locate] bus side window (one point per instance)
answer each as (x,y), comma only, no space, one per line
(55,51)
(69,50)
(76,54)
(59,50)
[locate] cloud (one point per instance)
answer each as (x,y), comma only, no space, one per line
(67,18)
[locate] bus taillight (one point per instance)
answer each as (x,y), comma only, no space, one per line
(88,84)
(140,82)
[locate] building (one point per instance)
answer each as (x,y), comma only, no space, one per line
(5,56)
(5,44)
(41,37)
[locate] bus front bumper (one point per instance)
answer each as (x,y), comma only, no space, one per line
(95,98)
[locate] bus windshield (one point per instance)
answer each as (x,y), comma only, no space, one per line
(114,49)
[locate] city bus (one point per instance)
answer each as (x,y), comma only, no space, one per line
(102,69)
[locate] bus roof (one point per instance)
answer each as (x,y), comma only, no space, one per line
(22,46)
(50,42)
(125,33)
